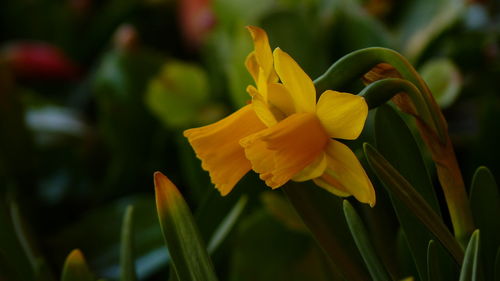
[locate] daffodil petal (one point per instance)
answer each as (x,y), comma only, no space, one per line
(217,146)
(331,185)
(343,115)
(280,100)
(313,170)
(262,84)
(280,152)
(345,174)
(252,66)
(261,107)
(296,81)
(263,53)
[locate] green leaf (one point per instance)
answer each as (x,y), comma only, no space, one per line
(187,250)
(127,263)
(75,268)
(398,146)
(444,80)
(361,237)
(400,188)
(433,268)
(470,267)
(485,205)
(227,224)
(101,244)
(322,213)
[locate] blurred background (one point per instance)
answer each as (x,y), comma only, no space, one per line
(94,96)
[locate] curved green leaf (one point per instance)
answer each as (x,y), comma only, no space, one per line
(398,146)
(189,256)
(470,266)
(400,188)
(485,205)
(358,231)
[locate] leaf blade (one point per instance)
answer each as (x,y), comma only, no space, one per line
(187,250)
(470,268)
(399,186)
(358,231)
(433,270)
(127,264)
(399,147)
(485,204)
(318,211)
(75,268)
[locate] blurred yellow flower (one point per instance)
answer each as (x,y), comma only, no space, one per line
(284,134)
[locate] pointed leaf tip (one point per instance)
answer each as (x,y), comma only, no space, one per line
(75,257)
(470,269)
(75,268)
(164,188)
(187,250)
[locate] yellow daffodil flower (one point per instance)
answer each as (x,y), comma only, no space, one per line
(284,134)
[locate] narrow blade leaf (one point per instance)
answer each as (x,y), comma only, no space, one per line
(227,224)
(358,231)
(485,205)
(433,269)
(322,214)
(470,267)
(127,264)
(187,250)
(400,188)
(397,144)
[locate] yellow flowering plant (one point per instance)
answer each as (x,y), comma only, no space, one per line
(297,150)
(286,133)
(289,133)
(295,134)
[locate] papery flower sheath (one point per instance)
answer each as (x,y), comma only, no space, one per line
(284,134)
